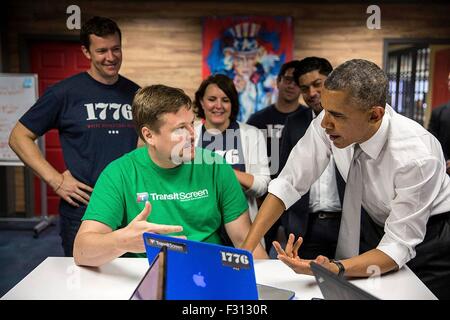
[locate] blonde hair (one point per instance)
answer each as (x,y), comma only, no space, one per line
(151,102)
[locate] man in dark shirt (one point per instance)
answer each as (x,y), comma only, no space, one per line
(271,121)
(92,112)
(316,216)
(440,127)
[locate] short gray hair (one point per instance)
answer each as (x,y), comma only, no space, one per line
(365,82)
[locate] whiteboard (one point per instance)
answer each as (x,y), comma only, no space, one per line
(18,92)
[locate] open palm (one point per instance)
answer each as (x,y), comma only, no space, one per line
(290,256)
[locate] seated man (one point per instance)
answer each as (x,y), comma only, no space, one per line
(191,190)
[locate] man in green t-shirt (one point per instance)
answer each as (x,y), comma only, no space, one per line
(192,191)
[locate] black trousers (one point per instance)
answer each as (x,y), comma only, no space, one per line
(432,261)
(321,235)
(68,230)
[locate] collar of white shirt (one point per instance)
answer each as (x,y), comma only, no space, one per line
(375,144)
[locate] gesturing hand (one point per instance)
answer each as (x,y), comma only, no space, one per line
(71,189)
(130,237)
(290,255)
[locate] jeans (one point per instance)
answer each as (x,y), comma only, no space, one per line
(68,230)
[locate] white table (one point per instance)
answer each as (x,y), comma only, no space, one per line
(60,278)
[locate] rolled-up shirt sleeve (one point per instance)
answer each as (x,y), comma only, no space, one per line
(258,163)
(306,162)
(416,187)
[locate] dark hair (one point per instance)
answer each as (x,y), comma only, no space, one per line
(365,82)
(99,26)
(226,85)
(150,103)
(322,65)
(288,65)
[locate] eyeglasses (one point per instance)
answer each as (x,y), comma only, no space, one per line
(287,79)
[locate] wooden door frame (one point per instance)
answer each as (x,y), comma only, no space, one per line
(7,203)
(26,40)
(414,41)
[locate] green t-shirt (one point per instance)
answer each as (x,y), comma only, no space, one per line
(197,195)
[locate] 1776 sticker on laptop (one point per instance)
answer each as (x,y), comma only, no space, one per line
(235,260)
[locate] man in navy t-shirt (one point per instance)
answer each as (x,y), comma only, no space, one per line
(272,118)
(92,112)
(271,121)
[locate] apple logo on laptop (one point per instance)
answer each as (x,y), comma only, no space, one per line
(199,280)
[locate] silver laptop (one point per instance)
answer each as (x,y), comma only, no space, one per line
(334,287)
(153,284)
(271,293)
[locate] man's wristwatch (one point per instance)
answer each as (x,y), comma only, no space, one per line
(340,266)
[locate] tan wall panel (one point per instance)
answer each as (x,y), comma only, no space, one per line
(162,40)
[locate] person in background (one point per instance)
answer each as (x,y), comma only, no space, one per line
(92,112)
(440,127)
(243,146)
(317,215)
(271,121)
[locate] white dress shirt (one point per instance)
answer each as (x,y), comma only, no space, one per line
(255,158)
(324,195)
(404,178)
